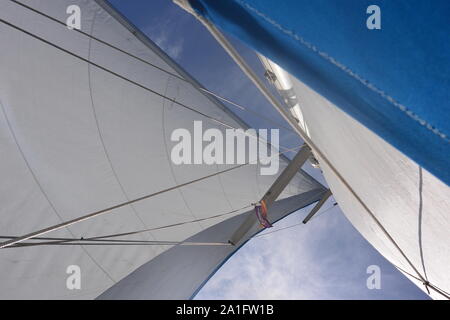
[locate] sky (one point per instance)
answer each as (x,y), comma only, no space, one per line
(324,259)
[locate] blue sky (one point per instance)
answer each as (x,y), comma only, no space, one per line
(324,259)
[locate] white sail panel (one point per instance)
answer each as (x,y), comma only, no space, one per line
(409,202)
(75,139)
(161,277)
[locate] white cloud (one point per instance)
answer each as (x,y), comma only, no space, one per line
(172,46)
(276,266)
(324,259)
(166,30)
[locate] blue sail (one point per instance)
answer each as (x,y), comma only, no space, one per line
(395,80)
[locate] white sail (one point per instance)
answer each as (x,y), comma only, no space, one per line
(411,204)
(76,138)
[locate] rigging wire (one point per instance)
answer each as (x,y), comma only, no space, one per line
(426,283)
(106,210)
(97,213)
(109,209)
(154,66)
(102,238)
(136,83)
(438,290)
(120,243)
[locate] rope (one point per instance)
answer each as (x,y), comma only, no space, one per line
(154,66)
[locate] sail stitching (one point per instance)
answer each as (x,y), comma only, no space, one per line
(348,71)
(166,148)
(105,150)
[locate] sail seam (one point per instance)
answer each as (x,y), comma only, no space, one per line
(105,150)
(420,221)
(163,123)
(44,193)
(349,72)
(223,188)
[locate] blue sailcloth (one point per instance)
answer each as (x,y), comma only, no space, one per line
(394,80)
